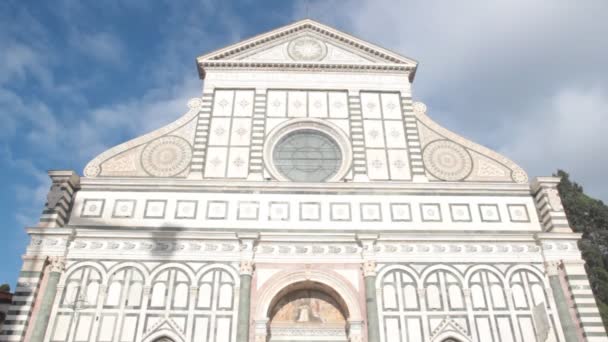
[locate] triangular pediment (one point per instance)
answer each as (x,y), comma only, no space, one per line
(310,43)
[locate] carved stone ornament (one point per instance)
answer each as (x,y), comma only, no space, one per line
(92,170)
(57,264)
(307,49)
(166,156)
(246,267)
(554,200)
(419,107)
(447,160)
(552,268)
(54,196)
(369,268)
(194,103)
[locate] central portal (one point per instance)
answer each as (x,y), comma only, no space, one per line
(308,312)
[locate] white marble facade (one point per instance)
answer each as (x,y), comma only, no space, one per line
(196,231)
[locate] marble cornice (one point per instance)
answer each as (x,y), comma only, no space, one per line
(228,186)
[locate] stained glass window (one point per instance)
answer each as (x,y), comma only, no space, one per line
(307,156)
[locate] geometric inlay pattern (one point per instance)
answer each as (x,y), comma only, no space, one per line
(447,160)
(166,156)
(306,49)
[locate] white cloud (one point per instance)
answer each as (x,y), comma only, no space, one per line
(501,72)
(102,46)
(568,131)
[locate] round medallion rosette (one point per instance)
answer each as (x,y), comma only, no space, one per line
(447,160)
(307,49)
(166,156)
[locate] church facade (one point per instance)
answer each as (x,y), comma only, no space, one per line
(304,196)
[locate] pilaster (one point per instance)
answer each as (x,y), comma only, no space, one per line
(356,135)
(59,198)
(369,274)
(202,131)
(549,205)
(412,135)
(247,242)
(22,307)
(55,268)
(258,132)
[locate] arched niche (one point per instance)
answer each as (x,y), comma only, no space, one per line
(318,300)
(305,310)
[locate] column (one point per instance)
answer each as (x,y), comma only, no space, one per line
(373,329)
(247,242)
(561,302)
(56,266)
(242,330)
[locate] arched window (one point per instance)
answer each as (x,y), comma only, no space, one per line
(443,292)
(399,303)
(79,299)
(82,289)
(125,287)
(170,290)
(490,306)
(531,302)
(215,304)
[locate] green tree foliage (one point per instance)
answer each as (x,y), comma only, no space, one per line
(5,288)
(590,217)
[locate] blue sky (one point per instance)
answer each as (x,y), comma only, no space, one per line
(525,78)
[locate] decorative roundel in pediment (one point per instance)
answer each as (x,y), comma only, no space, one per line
(166,156)
(306,49)
(447,160)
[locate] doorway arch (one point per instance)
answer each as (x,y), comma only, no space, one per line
(321,300)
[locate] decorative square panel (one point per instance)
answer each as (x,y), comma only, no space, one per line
(310,211)
(219,132)
(276,105)
(278,211)
(401,212)
(217,210)
(248,211)
(155,209)
(297,104)
(243,103)
(398,163)
(377,168)
(460,212)
(394,134)
(371,212)
(340,211)
(430,212)
(92,208)
(238,162)
(374,133)
(123,209)
(222,103)
(518,213)
(338,104)
(370,106)
(241,132)
(391,105)
(186,209)
(317,104)
(215,162)
(489,213)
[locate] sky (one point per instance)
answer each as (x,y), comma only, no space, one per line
(526,78)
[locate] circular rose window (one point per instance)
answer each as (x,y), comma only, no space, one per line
(307,156)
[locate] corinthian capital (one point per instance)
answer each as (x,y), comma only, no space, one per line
(57,263)
(369,268)
(246,267)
